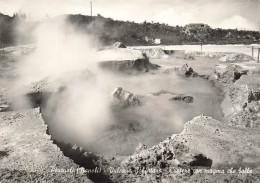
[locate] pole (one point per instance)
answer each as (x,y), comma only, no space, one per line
(90,8)
(258,55)
(0,43)
(252,51)
(1,46)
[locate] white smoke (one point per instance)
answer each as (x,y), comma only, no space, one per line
(59,48)
(82,114)
(62,52)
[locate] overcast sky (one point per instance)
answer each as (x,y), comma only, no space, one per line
(241,14)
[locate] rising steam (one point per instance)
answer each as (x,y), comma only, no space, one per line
(83,109)
(81,112)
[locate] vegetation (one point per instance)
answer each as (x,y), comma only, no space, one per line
(131,33)
(15,29)
(6,30)
(110,31)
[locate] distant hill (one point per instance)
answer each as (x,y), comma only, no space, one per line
(110,31)
(6,30)
(11,34)
(131,33)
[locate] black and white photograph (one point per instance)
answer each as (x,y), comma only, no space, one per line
(130,91)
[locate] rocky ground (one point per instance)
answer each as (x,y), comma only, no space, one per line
(28,153)
(206,150)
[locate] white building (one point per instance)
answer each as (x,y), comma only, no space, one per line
(157,41)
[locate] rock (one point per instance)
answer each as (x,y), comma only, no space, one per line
(154,52)
(222,56)
(140,147)
(201,161)
(204,54)
(181,97)
(236,57)
(242,93)
(169,52)
(34,94)
(228,75)
(249,117)
(4,107)
(124,99)
(170,70)
(175,97)
(189,57)
(119,54)
(198,145)
(244,97)
(31,159)
(161,92)
(119,45)
(88,161)
(57,83)
(252,81)
(204,142)
(186,71)
(129,66)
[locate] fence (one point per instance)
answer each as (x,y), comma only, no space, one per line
(258,52)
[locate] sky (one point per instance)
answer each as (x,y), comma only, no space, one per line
(241,14)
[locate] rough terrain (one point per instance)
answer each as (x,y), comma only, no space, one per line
(204,151)
(223,57)
(28,153)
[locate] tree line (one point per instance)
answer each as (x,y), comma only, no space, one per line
(131,33)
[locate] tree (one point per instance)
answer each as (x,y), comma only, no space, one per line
(20,15)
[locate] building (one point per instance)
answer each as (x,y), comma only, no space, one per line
(197,25)
(152,40)
(157,41)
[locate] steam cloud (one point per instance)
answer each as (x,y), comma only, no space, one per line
(83,109)
(81,113)
(59,48)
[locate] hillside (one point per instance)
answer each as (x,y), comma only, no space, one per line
(15,30)
(6,30)
(131,33)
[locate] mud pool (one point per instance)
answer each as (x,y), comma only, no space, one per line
(155,120)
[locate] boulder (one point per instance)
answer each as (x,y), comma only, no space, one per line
(119,54)
(181,97)
(244,97)
(129,66)
(162,92)
(249,117)
(186,71)
(236,57)
(189,57)
(124,99)
(204,54)
(154,52)
(169,52)
(140,148)
(222,56)
(242,94)
(119,45)
(204,143)
(175,97)
(252,81)
(228,75)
